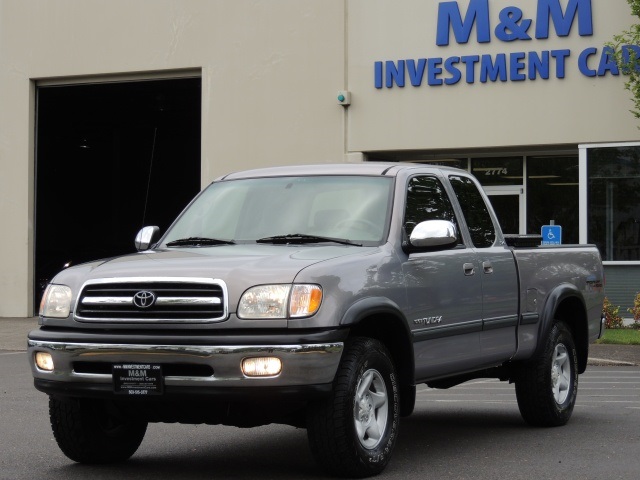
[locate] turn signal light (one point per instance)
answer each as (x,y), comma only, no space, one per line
(261,366)
(44,361)
(305,300)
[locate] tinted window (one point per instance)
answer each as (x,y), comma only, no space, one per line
(498,171)
(614,201)
(475,211)
(552,194)
(427,200)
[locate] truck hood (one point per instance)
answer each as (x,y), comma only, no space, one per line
(239,266)
(280,263)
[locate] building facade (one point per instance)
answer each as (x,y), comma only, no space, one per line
(523,93)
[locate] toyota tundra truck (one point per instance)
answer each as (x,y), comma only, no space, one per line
(318,297)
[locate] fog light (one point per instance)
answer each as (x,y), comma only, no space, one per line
(44,361)
(261,366)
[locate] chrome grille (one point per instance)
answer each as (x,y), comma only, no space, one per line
(152,300)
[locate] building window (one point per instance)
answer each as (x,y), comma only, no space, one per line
(498,171)
(613,194)
(552,194)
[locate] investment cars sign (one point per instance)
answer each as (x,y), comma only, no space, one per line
(533,22)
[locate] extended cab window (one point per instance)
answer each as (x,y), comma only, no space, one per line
(481,229)
(427,200)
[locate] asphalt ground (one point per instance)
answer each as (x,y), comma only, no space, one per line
(13,337)
(471,432)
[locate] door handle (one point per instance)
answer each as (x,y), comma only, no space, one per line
(487,267)
(469,269)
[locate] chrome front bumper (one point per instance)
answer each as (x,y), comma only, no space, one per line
(308,364)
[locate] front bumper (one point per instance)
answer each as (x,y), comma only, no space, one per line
(83,368)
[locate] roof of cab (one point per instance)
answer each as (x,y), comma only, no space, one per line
(364,168)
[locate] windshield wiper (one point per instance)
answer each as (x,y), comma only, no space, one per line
(304,238)
(199,241)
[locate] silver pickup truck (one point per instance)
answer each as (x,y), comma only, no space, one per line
(315,296)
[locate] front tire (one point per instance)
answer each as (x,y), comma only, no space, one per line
(354,431)
(87,432)
(547,388)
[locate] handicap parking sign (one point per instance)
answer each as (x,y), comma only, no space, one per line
(551,235)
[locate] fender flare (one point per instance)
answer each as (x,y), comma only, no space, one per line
(554,299)
(368,306)
(377,306)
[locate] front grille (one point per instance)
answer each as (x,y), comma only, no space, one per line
(152,300)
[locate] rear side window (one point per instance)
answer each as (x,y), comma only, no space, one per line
(476,213)
(427,200)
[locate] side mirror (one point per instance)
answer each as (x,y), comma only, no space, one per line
(145,237)
(433,233)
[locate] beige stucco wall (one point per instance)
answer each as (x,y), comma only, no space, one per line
(270,74)
(575,109)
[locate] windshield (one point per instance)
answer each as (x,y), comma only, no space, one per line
(353,208)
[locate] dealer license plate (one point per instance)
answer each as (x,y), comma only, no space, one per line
(137,379)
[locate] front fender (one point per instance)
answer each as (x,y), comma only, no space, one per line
(382,319)
(369,306)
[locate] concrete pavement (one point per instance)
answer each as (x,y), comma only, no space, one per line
(13,332)
(13,336)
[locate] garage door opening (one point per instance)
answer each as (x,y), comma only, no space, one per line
(110,159)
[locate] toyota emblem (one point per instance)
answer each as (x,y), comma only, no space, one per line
(144,299)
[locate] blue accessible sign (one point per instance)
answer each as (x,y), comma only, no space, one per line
(551,235)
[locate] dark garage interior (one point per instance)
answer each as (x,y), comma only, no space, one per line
(110,159)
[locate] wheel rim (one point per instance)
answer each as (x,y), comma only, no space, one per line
(371,409)
(560,374)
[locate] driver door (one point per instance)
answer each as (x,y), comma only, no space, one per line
(444,289)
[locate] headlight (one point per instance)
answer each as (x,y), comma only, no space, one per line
(56,301)
(276,301)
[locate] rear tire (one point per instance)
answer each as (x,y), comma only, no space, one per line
(547,388)
(354,431)
(87,432)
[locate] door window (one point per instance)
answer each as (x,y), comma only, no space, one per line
(507,209)
(427,200)
(474,209)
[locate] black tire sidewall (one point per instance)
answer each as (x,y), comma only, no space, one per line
(534,382)
(376,358)
(331,426)
(561,335)
(80,429)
